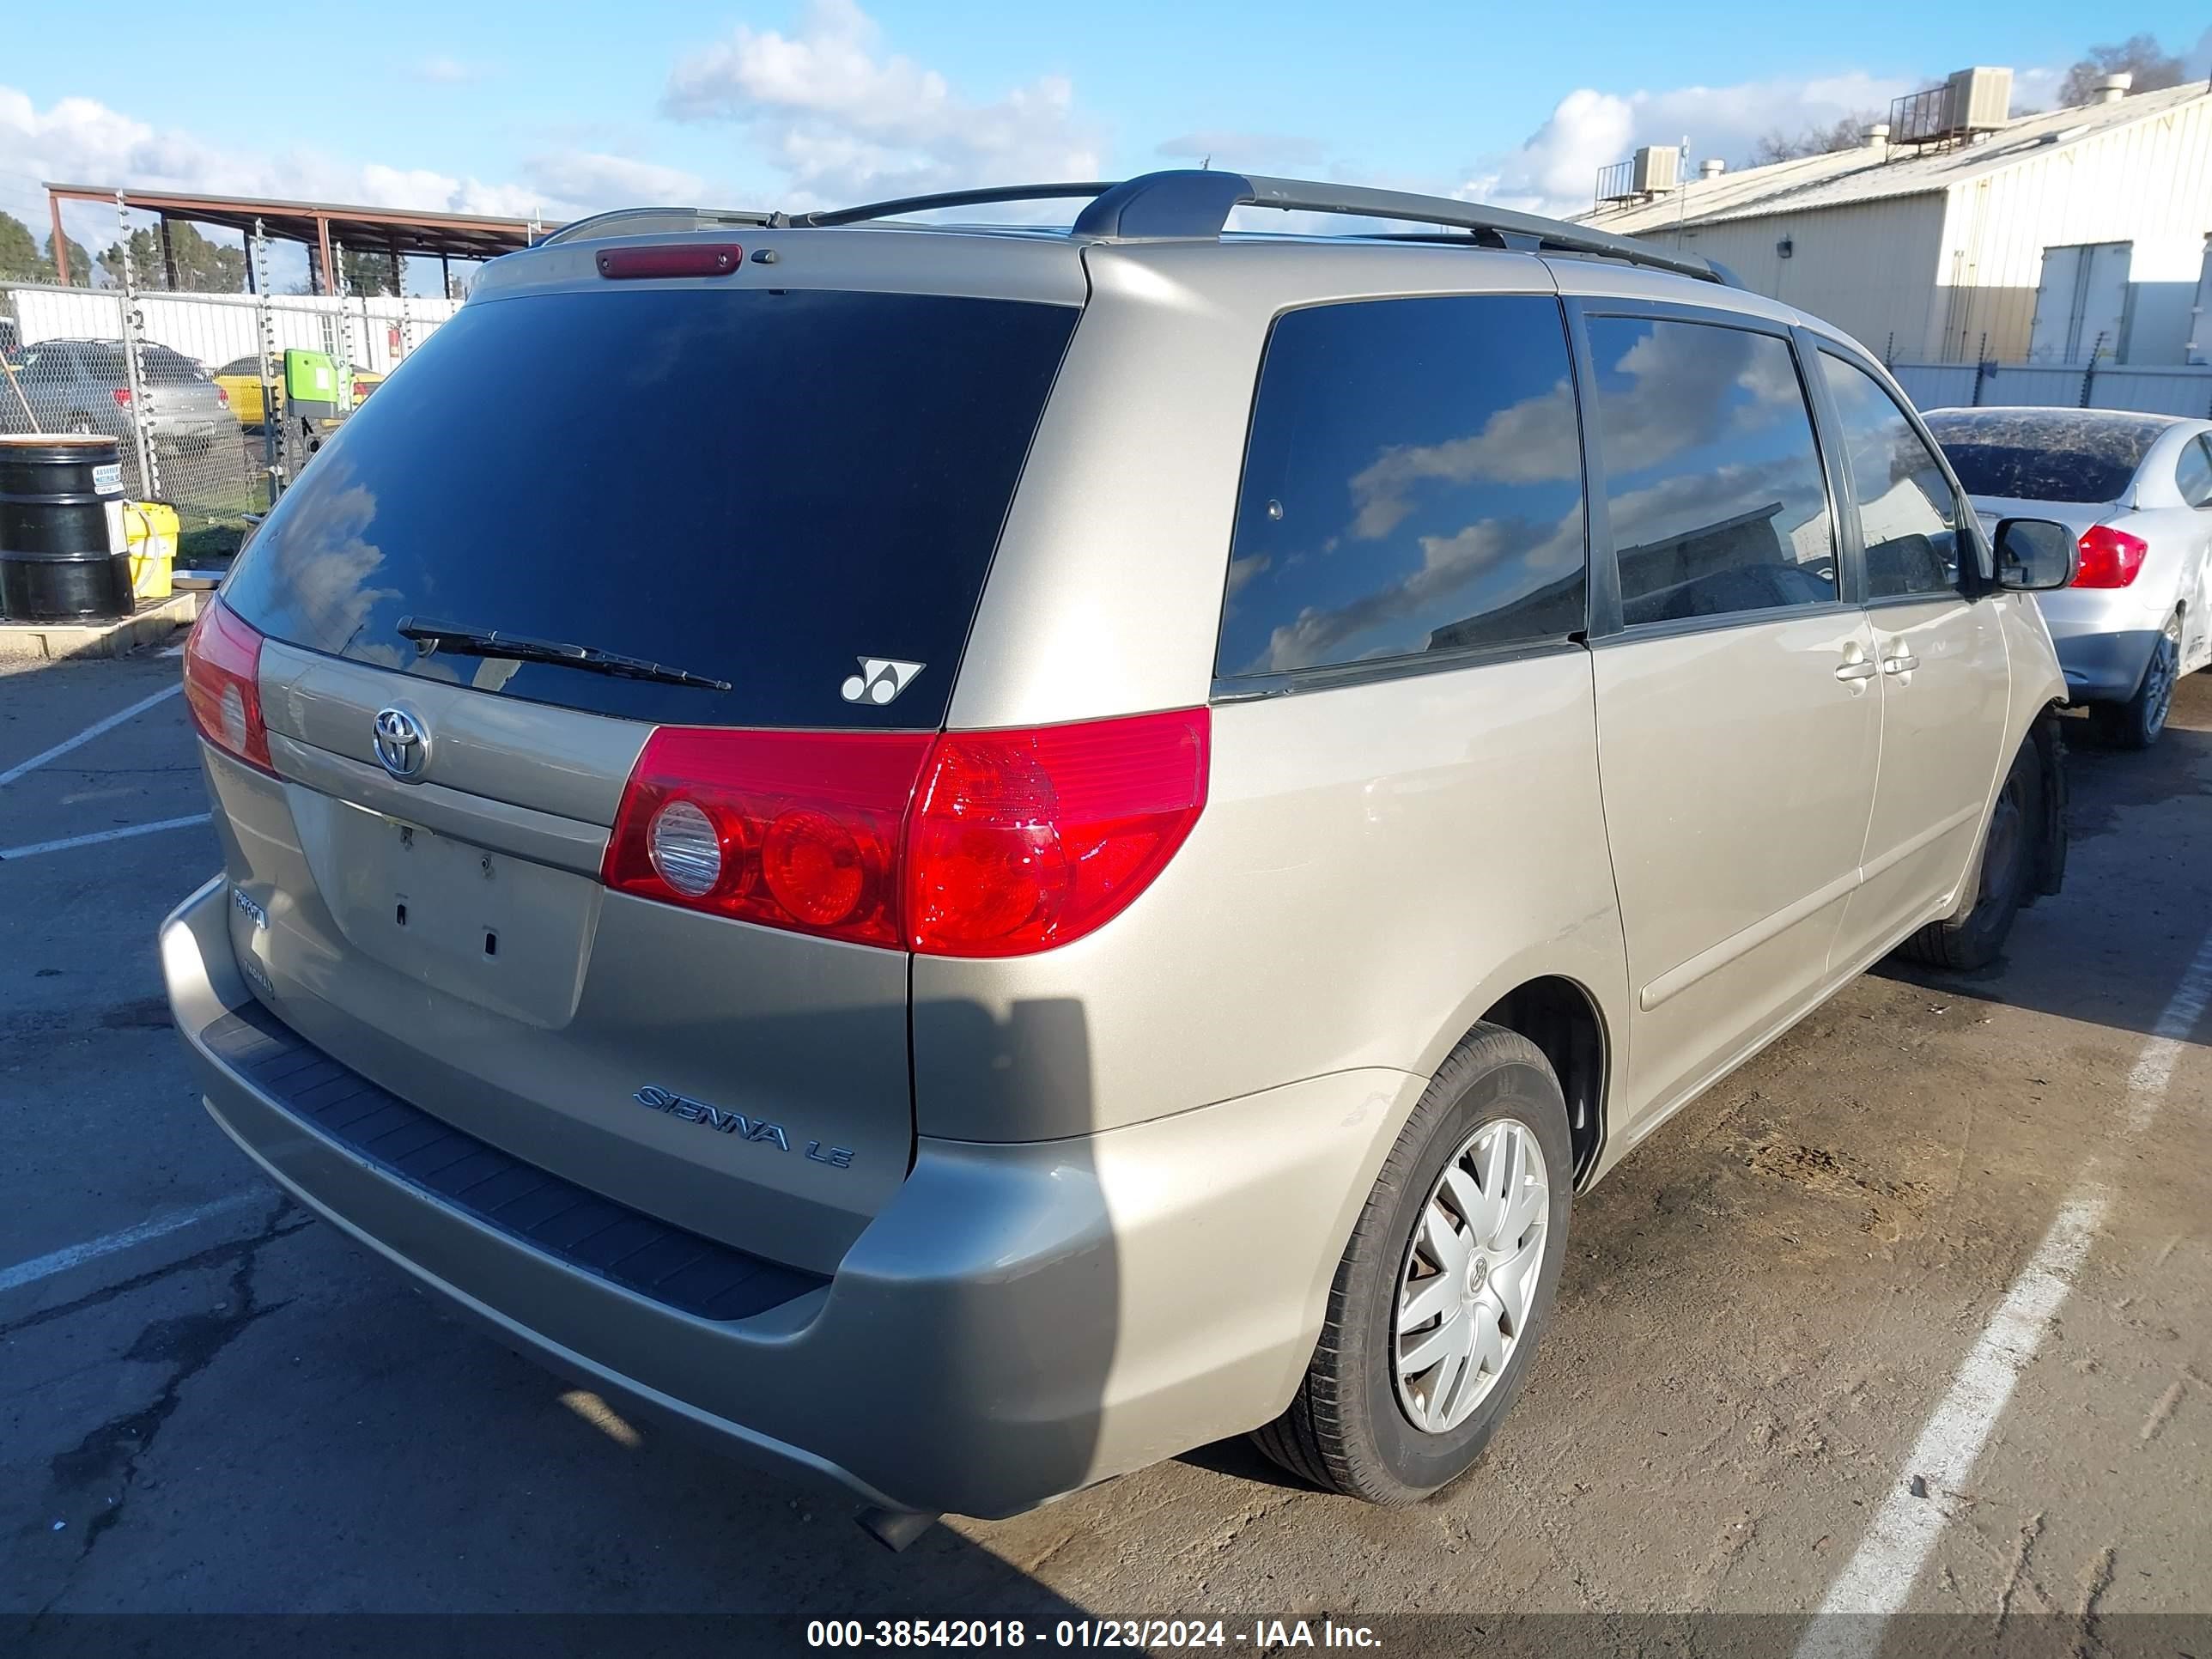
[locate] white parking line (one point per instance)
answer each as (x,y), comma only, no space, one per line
(89,734)
(2154,1070)
(32,849)
(1855,1615)
(75,1255)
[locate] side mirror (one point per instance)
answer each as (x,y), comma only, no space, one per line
(2034,555)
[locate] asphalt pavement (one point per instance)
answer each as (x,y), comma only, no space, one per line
(1909,1316)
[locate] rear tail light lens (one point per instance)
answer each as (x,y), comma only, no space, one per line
(1022,841)
(222,685)
(121,394)
(2109,557)
(967,844)
(792,830)
(222,397)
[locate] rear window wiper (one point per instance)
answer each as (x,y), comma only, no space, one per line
(431,636)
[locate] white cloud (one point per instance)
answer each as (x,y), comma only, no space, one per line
(601,181)
(1555,169)
(444,71)
(846,121)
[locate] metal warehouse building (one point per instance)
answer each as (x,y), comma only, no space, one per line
(1957,235)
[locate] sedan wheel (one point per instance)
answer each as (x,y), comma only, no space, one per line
(2136,723)
(2158,678)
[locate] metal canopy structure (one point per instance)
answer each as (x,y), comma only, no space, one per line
(389,231)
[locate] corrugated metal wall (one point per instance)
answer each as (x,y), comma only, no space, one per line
(2148,183)
(1868,268)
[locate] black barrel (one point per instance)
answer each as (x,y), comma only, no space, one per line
(62,555)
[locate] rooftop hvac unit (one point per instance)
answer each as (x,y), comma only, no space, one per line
(1651,171)
(1972,101)
(1981,99)
(1654,169)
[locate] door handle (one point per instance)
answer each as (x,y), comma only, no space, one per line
(1904,663)
(1858,668)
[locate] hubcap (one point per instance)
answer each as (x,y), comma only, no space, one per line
(1470,1276)
(2158,696)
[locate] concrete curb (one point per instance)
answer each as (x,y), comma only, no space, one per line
(152,623)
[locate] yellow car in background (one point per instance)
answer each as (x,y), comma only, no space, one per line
(242,379)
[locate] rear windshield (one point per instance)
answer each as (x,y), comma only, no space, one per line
(2056,456)
(784,490)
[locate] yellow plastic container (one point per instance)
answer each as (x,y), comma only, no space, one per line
(151,530)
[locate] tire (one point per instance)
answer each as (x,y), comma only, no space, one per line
(2005,871)
(2136,723)
(1352,1428)
(80,426)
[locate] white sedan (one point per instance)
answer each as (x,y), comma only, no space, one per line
(2137,489)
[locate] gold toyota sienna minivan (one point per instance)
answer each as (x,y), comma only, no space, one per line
(971,857)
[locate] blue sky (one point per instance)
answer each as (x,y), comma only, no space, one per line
(501,106)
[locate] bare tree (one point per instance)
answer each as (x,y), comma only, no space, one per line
(2139,55)
(1847,133)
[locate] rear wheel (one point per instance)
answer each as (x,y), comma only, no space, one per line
(1447,1282)
(2136,723)
(2007,867)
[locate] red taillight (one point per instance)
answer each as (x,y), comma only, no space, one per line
(1022,841)
(360,389)
(121,394)
(2110,558)
(968,844)
(223,683)
(788,829)
(222,397)
(672,259)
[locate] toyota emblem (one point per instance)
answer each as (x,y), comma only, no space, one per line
(401,744)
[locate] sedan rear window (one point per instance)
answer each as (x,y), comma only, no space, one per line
(2044,457)
(776,490)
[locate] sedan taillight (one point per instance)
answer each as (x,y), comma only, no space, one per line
(2109,557)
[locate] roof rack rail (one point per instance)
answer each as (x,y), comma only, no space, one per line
(637,220)
(1197,202)
(897,204)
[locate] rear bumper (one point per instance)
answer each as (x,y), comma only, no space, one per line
(2103,638)
(1019,1320)
(188,428)
(2104,667)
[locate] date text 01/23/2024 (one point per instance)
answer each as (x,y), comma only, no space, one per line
(1262,1634)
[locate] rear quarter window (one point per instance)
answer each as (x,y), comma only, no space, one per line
(769,487)
(1413,484)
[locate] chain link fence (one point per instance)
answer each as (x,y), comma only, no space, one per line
(192,384)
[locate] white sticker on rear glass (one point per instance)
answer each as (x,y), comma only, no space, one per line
(879,680)
(107,479)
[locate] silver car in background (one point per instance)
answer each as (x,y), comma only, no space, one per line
(84,386)
(2137,491)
